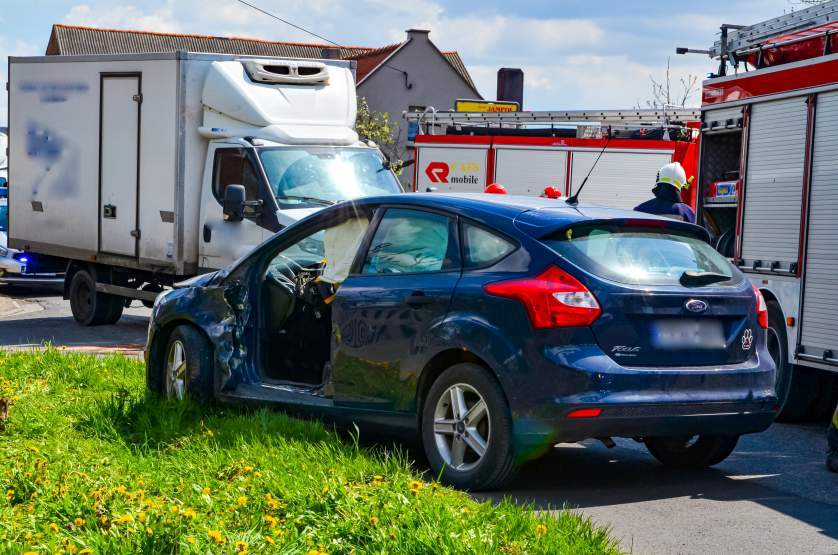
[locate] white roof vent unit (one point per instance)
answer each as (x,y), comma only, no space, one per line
(287,72)
(280,110)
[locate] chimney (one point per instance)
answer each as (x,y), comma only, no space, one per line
(330,53)
(418,34)
(511,85)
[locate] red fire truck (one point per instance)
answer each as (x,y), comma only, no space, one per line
(527,152)
(768,187)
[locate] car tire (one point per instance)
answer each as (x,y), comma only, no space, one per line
(451,438)
(90,307)
(186,366)
(683,452)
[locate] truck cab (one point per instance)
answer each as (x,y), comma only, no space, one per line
(136,171)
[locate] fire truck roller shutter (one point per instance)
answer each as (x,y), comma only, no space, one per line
(774,181)
(527,171)
(620,179)
(819,331)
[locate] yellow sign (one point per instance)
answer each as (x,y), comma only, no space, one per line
(485,106)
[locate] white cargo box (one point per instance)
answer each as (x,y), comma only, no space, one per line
(107,153)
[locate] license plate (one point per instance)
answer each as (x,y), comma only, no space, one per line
(688,333)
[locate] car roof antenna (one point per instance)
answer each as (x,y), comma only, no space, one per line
(573,199)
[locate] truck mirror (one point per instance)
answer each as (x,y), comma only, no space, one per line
(234,196)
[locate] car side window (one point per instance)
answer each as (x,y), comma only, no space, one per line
(412,241)
(482,247)
(233,167)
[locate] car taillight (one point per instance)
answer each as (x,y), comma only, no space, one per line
(552,299)
(762,309)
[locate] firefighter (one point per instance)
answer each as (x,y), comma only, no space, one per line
(832,439)
(667,202)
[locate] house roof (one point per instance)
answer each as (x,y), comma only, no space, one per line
(76,40)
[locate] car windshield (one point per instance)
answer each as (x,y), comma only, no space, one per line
(311,176)
(640,256)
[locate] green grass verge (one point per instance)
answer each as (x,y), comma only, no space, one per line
(89,463)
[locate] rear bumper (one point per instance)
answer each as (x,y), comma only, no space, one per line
(639,402)
(669,420)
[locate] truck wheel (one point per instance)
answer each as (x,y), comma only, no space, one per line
(89,307)
(795,388)
(187,365)
(691,452)
(467,429)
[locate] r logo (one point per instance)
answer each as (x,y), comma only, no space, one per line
(437,172)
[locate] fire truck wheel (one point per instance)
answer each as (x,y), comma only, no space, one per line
(824,404)
(796,387)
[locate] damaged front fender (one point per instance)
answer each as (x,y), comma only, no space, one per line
(222,312)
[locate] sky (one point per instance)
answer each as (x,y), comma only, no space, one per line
(576,54)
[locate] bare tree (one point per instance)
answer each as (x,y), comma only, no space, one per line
(664,93)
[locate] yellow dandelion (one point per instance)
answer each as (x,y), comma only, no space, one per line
(269,540)
(216,536)
(190,540)
(31,553)
(142,517)
(72,549)
(248,469)
(175,509)
(241,547)
(540,530)
(27,536)
(210,433)
(79,522)
(374,520)
(206,491)
(415,486)
(270,521)
(149,531)
(10,494)
(86,551)
(257,474)
(241,501)
(278,532)
(124,519)
(54,527)
(325,489)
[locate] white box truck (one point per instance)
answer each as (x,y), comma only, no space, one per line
(135,170)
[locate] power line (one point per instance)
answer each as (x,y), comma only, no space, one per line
(407,84)
(295,26)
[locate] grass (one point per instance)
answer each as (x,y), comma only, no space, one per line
(89,463)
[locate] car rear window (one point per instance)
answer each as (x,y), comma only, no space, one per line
(482,247)
(639,256)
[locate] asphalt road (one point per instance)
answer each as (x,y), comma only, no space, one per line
(773,495)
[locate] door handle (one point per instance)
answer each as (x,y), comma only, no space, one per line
(418,298)
(207,233)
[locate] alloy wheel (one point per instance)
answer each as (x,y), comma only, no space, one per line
(462,427)
(176,371)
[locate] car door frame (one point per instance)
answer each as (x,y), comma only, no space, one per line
(256,264)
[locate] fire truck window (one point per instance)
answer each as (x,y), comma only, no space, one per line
(232,167)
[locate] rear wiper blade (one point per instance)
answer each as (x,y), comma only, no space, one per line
(307,199)
(697,279)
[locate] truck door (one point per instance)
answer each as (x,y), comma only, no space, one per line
(119,156)
(818,330)
(222,242)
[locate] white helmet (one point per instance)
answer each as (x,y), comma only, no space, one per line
(673,174)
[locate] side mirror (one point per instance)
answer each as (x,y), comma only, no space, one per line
(234,199)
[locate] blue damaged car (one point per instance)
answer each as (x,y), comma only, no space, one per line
(491,327)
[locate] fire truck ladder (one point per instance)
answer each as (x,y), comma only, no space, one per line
(739,40)
(666,118)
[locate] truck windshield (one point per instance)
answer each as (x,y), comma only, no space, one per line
(310,176)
